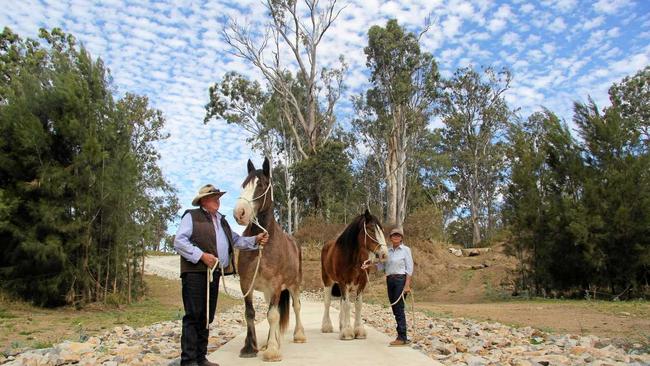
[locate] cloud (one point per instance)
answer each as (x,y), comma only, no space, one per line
(610,6)
(592,23)
(557,26)
(451,25)
(559,50)
(496,25)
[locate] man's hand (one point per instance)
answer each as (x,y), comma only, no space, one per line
(407,288)
(262,238)
(209,260)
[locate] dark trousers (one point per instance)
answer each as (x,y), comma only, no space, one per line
(194,339)
(395,286)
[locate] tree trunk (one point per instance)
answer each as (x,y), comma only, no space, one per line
(391,187)
(296,214)
(476,225)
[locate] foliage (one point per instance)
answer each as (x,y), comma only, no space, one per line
(80,192)
(394,112)
(579,209)
(475,115)
(324,181)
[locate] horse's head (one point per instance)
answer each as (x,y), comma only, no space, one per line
(373,236)
(256,195)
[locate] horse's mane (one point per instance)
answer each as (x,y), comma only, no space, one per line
(347,241)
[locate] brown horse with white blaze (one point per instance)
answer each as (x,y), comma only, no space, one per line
(279,273)
(341,269)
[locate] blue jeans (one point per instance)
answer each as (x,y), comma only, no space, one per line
(194,339)
(395,284)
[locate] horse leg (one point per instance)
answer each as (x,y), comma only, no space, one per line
(326,326)
(272,352)
(347,332)
(359,330)
(299,331)
(250,345)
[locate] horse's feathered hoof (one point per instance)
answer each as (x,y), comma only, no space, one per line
(299,337)
(248,351)
(248,355)
(271,356)
(346,334)
(327,328)
(360,333)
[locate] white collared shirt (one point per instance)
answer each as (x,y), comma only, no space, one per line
(400,261)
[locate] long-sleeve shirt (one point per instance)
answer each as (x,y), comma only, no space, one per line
(192,253)
(400,261)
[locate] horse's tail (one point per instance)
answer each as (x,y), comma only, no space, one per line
(283,306)
(336,290)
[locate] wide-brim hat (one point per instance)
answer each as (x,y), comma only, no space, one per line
(207,190)
(397,231)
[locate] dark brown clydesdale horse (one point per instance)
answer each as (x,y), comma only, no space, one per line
(280,268)
(341,262)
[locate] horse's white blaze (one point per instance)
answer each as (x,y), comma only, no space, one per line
(245,205)
(379,236)
(248,192)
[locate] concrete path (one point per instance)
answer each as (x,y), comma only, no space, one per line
(320,349)
(323,349)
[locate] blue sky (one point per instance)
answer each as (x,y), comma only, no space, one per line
(559,51)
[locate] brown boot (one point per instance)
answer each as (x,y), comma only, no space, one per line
(397,342)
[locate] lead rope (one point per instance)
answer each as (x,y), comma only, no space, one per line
(209,278)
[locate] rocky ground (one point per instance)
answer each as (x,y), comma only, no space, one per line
(449,341)
(455,341)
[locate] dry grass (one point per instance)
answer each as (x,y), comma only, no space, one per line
(23,325)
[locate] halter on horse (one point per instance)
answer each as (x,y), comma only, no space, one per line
(276,271)
(341,263)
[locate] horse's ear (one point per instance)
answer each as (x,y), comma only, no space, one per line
(367,215)
(251,166)
(266,167)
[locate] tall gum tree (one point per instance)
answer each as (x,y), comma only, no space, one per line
(397,108)
(296,29)
(475,115)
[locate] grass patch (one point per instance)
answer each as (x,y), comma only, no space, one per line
(435,314)
(40,328)
(5,314)
(467,276)
(636,308)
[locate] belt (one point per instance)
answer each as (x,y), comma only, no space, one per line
(396,275)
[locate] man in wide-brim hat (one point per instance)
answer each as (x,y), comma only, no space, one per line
(204,240)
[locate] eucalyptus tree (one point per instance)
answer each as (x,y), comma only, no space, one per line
(475,114)
(296,31)
(395,111)
(263,114)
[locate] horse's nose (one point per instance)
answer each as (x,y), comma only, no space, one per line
(383,256)
(239,214)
